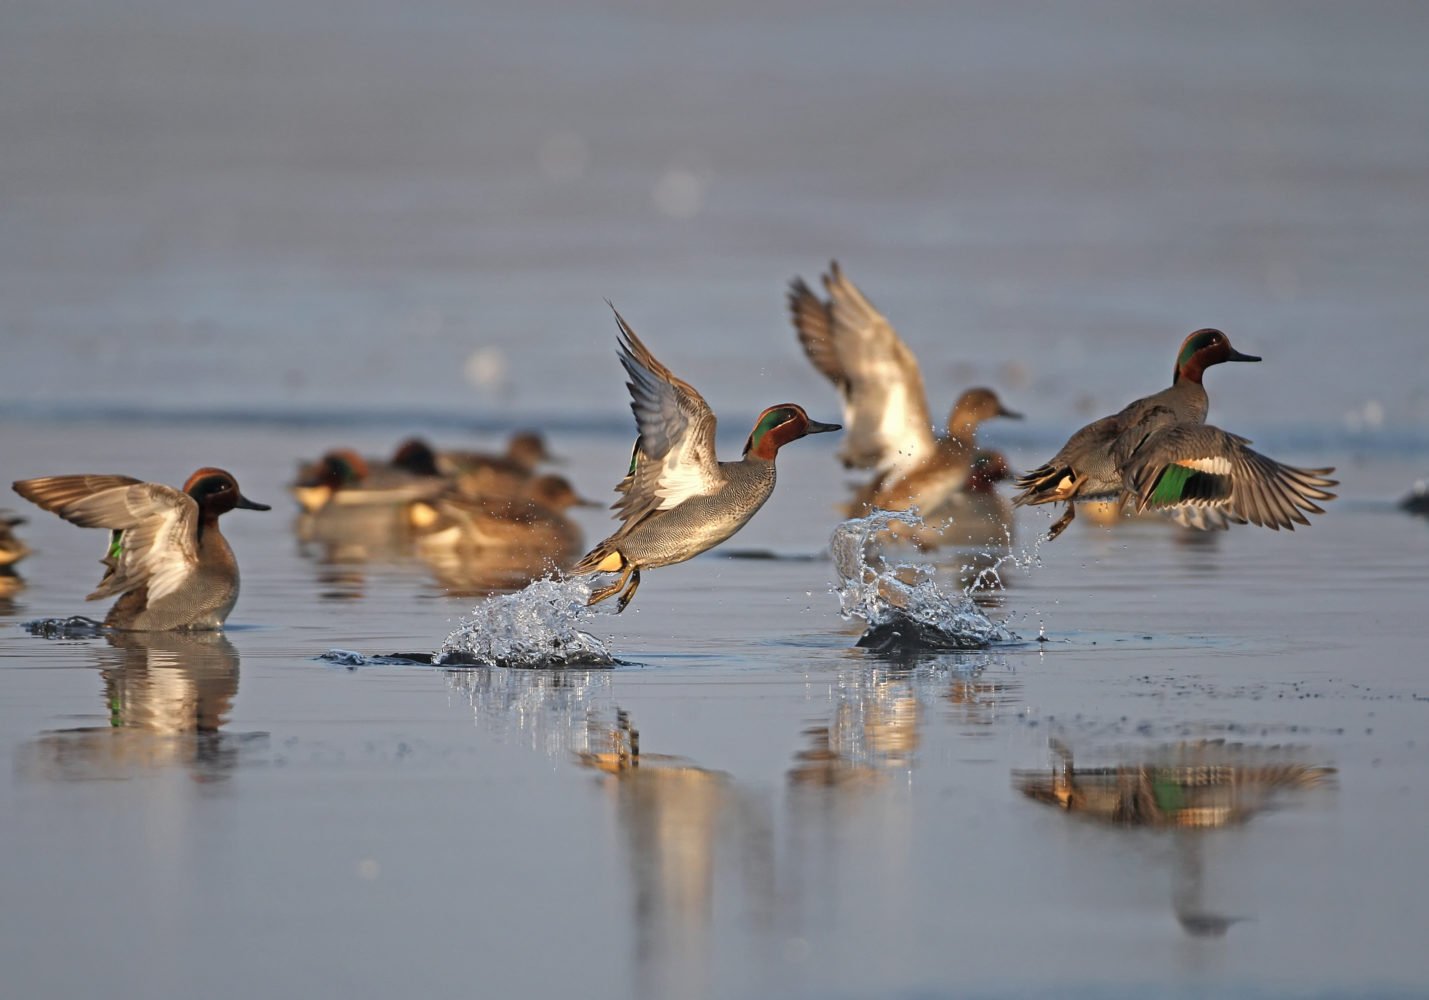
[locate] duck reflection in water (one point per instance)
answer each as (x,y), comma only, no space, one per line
(167,696)
(12,550)
(1188,788)
(872,733)
(677,820)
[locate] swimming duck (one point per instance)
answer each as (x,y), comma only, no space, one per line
(856,348)
(536,524)
(1417,502)
(343,478)
(478,545)
(167,560)
(12,549)
(1159,453)
(978,514)
(524,452)
(677,500)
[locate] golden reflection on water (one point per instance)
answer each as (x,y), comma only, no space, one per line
(1189,789)
(341,541)
(674,817)
(873,732)
(688,831)
(11,584)
(167,695)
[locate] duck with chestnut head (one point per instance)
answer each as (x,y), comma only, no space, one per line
(1158,453)
(167,561)
(677,499)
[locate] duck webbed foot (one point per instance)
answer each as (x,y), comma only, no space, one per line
(627,571)
(1060,525)
(629,594)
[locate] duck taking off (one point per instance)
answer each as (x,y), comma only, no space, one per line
(167,560)
(852,345)
(677,499)
(1159,453)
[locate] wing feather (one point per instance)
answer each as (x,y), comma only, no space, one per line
(674,457)
(887,414)
(1239,482)
(814,326)
(158,525)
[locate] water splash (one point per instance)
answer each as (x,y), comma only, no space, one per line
(352,659)
(539,626)
(73,627)
(903,604)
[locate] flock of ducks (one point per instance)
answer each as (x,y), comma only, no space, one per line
(171,568)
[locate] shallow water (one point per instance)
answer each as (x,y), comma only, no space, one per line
(241,236)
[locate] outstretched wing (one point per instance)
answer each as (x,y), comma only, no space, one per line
(887,410)
(674,458)
(1197,465)
(155,541)
(815,327)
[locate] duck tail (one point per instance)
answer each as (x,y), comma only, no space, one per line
(604,558)
(1045,484)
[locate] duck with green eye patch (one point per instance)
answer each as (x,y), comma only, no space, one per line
(1159,453)
(678,499)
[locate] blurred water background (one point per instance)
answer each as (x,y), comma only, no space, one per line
(238,234)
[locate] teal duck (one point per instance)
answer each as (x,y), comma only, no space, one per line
(1158,453)
(167,560)
(677,500)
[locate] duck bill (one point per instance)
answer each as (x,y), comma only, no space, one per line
(247,504)
(588,502)
(1003,411)
(818,427)
(1235,355)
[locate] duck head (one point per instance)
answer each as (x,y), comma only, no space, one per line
(415,456)
(973,407)
(338,469)
(779,425)
(1201,350)
(528,449)
(216,492)
(556,493)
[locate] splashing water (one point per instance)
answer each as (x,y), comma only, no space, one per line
(903,604)
(538,626)
(74,627)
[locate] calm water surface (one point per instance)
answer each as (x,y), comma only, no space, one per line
(240,236)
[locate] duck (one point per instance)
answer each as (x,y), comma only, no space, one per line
(978,515)
(1158,453)
(12,548)
(934,482)
(167,560)
(885,407)
(525,451)
(536,524)
(477,545)
(1417,502)
(677,499)
(343,478)
(853,345)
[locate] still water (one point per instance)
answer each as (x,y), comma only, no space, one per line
(239,236)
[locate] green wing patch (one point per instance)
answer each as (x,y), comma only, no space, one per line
(1178,484)
(1171,485)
